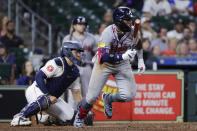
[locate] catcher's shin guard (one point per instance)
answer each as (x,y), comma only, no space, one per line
(42,103)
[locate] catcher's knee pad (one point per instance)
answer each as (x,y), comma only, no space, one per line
(42,103)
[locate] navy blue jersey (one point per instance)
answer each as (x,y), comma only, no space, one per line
(59,75)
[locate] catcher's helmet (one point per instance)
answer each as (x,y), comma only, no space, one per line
(80,20)
(120,14)
(67,48)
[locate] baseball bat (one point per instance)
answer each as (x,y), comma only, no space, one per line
(135,32)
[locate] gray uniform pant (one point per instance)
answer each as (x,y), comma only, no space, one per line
(122,72)
(85,73)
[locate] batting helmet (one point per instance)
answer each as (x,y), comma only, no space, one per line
(67,48)
(80,20)
(119,15)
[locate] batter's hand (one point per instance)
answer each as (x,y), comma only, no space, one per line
(141,66)
(53,99)
(129,54)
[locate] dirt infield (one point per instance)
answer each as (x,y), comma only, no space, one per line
(109,127)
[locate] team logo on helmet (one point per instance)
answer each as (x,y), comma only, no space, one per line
(80,20)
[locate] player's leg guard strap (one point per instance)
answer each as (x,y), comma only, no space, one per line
(42,103)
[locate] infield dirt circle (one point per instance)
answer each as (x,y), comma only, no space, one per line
(187,126)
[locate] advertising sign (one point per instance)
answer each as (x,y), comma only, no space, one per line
(159,97)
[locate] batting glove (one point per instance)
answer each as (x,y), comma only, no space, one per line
(141,66)
(129,55)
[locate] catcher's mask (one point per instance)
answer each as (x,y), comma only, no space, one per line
(67,48)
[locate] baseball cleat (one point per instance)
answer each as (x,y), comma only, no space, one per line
(78,122)
(43,118)
(20,120)
(89,119)
(108,109)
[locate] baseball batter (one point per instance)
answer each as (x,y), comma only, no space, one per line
(113,58)
(50,83)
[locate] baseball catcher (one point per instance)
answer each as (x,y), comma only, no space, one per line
(50,83)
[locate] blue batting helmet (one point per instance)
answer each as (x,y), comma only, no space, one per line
(120,14)
(67,48)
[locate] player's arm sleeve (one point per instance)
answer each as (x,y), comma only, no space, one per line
(48,71)
(104,47)
(40,80)
(105,56)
